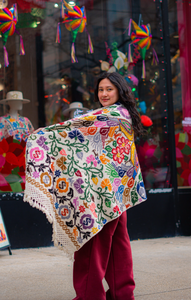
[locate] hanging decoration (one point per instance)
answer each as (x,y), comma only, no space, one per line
(8,21)
(75,21)
(141,37)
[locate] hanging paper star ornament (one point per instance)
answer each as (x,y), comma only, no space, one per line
(141,37)
(8,21)
(75,21)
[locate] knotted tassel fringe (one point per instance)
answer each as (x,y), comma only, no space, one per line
(6,60)
(22,50)
(143,70)
(15,11)
(90,46)
(130,60)
(73,55)
(58,33)
(155,60)
(62,10)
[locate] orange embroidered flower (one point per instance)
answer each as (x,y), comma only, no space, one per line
(92,130)
(62,185)
(104,160)
(45,179)
(75,232)
(106,183)
(60,163)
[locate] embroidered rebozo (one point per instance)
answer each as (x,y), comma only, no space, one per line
(84,173)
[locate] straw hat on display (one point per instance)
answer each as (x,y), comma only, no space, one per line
(14,96)
(74,106)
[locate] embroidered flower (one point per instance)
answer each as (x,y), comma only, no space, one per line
(86,221)
(90,159)
(64,212)
(56,205)
(116,208)
(35,174)
(124,144)
(61,163)
(75,202)
(63,134)
(118,154)
(36,154)
(62,185)
(95,230)
(82,208)
(103,159)
(141,190)
(41,143)
(77,135)
(45,179)
(92,208)
(2,125)
(57,173)
(106,183)
(78,185)
(79,239)
(29,144)
(116,183)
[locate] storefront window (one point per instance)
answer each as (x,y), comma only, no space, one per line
(179,21)
(52,82)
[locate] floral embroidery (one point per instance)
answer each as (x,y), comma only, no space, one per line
(90,172)
(45,179)
(118,154)
(61,163)
(62,185)
(36,154)
(106,183)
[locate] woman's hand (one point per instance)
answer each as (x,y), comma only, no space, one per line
(39,129)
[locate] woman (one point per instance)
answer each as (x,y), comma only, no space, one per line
(108,254)
(84,174)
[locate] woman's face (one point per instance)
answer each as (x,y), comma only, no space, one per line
(107,92)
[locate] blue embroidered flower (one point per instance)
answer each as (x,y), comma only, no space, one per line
(76,134)
(102,118)
(86,221)
(64,212)
(104,221)
(29,144)
(15,125)
(56,205)
(57,173)
(79,239)
(2,125)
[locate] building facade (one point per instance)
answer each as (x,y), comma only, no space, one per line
(58,69)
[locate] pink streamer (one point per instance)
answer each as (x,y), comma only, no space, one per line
(15,11)
(128,27)
(62,10)
(155,58)
(6,60)
(90,47)
(58,33)
(73,54)
(22,50)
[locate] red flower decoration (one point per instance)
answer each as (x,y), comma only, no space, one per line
(146,121)
(82,208)
(124,143)
(118,154)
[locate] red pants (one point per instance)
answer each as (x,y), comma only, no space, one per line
(107,254)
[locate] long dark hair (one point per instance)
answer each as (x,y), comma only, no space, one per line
(125,97)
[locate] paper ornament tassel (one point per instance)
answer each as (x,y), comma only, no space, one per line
(73,54)
(155,60)
(130,60)
(22,50)
(143,70)
(129,31)
(15,11)
(62,10)
(58,33)
(90,46)
(6,60)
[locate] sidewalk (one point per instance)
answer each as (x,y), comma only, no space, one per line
(162,269)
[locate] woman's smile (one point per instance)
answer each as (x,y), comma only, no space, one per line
(107,93)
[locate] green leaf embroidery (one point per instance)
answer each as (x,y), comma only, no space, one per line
(108,148)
